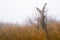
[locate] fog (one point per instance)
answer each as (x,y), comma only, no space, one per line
(16,11)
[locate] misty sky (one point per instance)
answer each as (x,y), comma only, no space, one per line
(13,11)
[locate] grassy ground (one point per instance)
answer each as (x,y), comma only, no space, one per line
(12,32)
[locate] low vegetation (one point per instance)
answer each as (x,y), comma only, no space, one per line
(26,32)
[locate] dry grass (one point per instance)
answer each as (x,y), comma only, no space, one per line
(12,32)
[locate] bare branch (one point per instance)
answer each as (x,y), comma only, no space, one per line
(38,9)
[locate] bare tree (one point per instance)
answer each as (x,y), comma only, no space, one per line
(42,20)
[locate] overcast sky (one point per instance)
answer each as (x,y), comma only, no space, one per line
(17,10)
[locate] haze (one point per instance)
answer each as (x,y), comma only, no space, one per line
(16,11)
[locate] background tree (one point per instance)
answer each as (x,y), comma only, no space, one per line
(43,20)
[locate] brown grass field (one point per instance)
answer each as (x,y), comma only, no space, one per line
(16,32)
